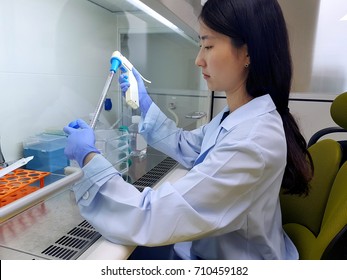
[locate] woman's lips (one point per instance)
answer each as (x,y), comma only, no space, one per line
(205,76)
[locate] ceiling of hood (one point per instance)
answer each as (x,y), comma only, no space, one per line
(115,5)
(183,15)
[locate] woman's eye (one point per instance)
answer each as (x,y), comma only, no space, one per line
(206,47)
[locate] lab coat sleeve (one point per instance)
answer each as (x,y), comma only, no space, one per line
(162,134)
(213,198)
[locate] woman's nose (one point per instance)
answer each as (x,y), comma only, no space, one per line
(199,61)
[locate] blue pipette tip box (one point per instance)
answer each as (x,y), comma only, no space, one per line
(48,152)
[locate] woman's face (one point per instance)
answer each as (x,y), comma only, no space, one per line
(223,66)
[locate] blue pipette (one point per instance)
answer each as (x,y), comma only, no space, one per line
(131,95)
(115,64)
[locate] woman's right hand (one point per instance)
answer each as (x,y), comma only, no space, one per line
(80,141)
(144,98)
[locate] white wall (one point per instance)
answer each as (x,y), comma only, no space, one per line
(330,57)
(318,41)
(54,60)
(301,18)
(312,113)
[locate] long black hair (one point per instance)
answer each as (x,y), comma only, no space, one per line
(261,26)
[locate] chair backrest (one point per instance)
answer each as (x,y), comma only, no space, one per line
(308,211)
(338,110)
(334,224)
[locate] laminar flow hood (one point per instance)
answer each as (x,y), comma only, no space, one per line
(183,14)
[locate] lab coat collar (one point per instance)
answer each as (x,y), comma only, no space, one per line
(254,108)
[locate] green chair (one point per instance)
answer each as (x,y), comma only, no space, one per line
(317,222)
(330,242)
(302,216)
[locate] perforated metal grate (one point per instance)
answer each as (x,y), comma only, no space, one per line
(155,174)
(74,243)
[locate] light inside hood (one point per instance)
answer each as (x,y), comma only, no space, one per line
(344,17)
(153,14)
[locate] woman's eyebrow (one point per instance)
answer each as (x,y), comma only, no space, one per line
(203,37)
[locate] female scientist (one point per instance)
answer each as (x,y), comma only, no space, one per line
(227,205)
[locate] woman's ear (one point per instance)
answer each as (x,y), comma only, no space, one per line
(247,58)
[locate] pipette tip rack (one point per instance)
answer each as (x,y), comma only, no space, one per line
(19,183)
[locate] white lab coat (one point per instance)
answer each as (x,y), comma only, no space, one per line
(227,206)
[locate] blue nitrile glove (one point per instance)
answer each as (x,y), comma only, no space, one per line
(80,141)
(144,98)
(123,83)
